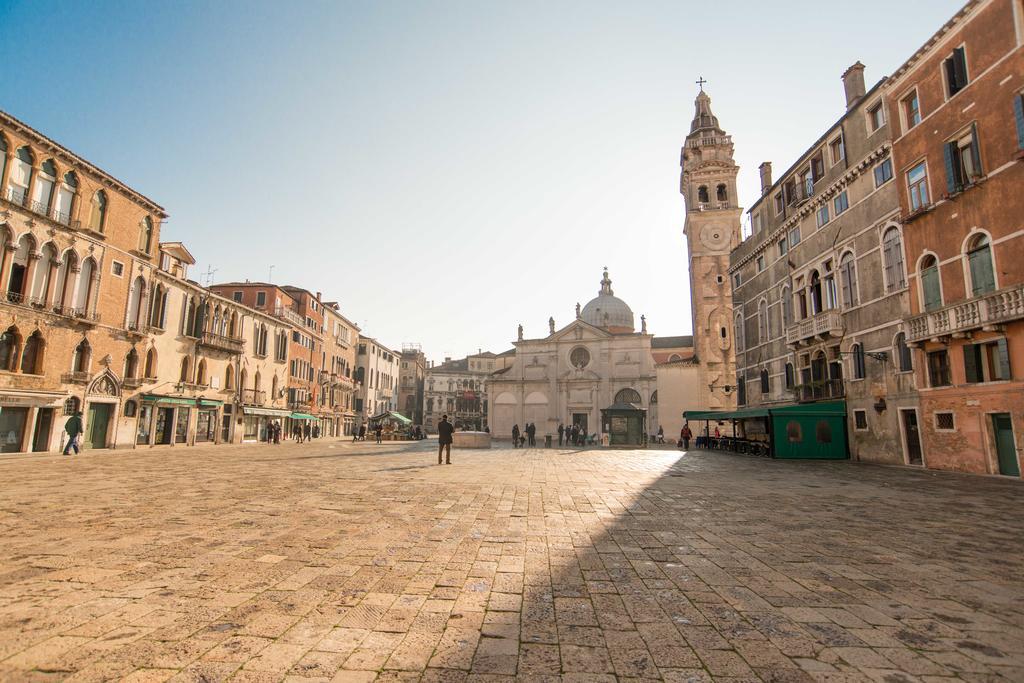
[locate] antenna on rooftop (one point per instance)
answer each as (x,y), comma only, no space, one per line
(208,276)
(270,275)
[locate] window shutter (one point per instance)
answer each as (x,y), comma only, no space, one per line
(1018,112)
(982,278)
(971,362)
(951,168)
(932,295)
(960,67)
(975,150)
(1003,359)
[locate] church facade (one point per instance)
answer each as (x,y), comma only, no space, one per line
(599,365)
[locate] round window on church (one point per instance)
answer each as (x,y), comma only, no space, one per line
(580,357)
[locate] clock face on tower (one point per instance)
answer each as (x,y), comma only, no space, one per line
(714,236)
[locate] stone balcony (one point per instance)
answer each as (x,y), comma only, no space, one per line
(985,311)
(221,342)
(818,327)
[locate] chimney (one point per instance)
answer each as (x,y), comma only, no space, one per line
(447,359)
(318,296)
(766,177)
(853,84)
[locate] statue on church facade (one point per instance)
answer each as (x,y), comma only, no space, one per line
(577,310)
(643,324)
(551,324)
(520,333)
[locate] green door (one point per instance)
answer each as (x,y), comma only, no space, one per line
(1006,450)
(99,420)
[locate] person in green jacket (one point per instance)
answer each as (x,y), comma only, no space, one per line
(74,429)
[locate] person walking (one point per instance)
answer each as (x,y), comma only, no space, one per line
(378,432)
(531,431)
(277,432)
(661,434)
(74,429)
(307,432)
(515,435)
(445,429)
(686,435)
(362,432)
(561,433)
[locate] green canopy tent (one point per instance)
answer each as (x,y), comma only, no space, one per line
(624,423)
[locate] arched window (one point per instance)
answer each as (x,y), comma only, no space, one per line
(702,194)
(257,381)
(186,365)
(17,284)
(201,373)
(815,289)
(904,357)
(65,287)
(41,281)
(738,331)
(135,297)
(98,211)
(32,357)
(66,195)
(722,193)
(21,176)
(628,396)
(3,156)
(762,322)
(674,358)
(931,288)
(654,397)
(81,357)
(229,378)
(131,364)
(765,381)
(892,257)
(46,181)
(848,279)
(273,388)
(10,349)
(979,261)
(154,305)
(790,378)
(242,380)
(146,235)
(188,323)
(150,364)
(233,327)
(85,278)
(859,371)
(787,306)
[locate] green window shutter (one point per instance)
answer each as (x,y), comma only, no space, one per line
(975,150)
(971,364)
(952,185)
(960,67)
(982,277)
(1018,114)
(1003,359)
(932,293)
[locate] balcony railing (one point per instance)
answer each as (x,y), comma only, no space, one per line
(254,397)
(988,309)
(79,314)
(299,405)
(23,300)
(221,342)
(819,326)
(825,390)
(710,141)
(17,196)
(287,314)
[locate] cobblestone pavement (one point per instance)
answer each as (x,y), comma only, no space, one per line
(342,562)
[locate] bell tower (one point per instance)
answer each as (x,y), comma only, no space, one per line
(712,229)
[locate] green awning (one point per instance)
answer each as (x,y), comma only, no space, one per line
(820,408)
(739,414)
(210,403)
(173,400)
(302,416)
(391,415)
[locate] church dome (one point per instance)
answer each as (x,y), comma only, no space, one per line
(607,310)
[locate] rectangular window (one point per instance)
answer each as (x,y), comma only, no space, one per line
(790,190)
(911,110)
(117,268)
(736,280)
(987,362)
(261,299)
(779,204)
(963,161)
(783,246)
(876,116)
(1018,116)
(945,422)
(955,69)
(760,263)
(755,222)
(817,167)
(794,237)
(860,420)
(237,296)
(822,215)
(841,203)
(883,172)
(837,150)
(917,186)
(938,369)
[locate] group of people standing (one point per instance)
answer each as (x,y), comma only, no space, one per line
(525,438)
(573,435)
(302,432)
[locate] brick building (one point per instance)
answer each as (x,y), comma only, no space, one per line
(76,267)
(956,108)
(340,338)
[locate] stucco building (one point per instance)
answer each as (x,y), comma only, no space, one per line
(411,383)
(377,371)
(340,338)
(820,286)
(458,388)
(77,261)
(956,108)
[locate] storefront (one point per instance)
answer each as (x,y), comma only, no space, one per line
(206,420)
(255,421)
(164,420)
(625,424)
(31,420)
(797,431)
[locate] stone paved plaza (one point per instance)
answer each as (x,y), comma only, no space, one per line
(344,562)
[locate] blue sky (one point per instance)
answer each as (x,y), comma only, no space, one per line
(445,170)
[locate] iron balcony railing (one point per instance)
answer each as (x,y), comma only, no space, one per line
(993,308)
(819,326)
(824,390)
(222,342)
(17,196)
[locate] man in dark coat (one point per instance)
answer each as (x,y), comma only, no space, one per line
(74,429)
(445,429)
(531,432)
(515,435)
(561,433)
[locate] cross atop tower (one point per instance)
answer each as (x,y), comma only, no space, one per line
(700,81)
